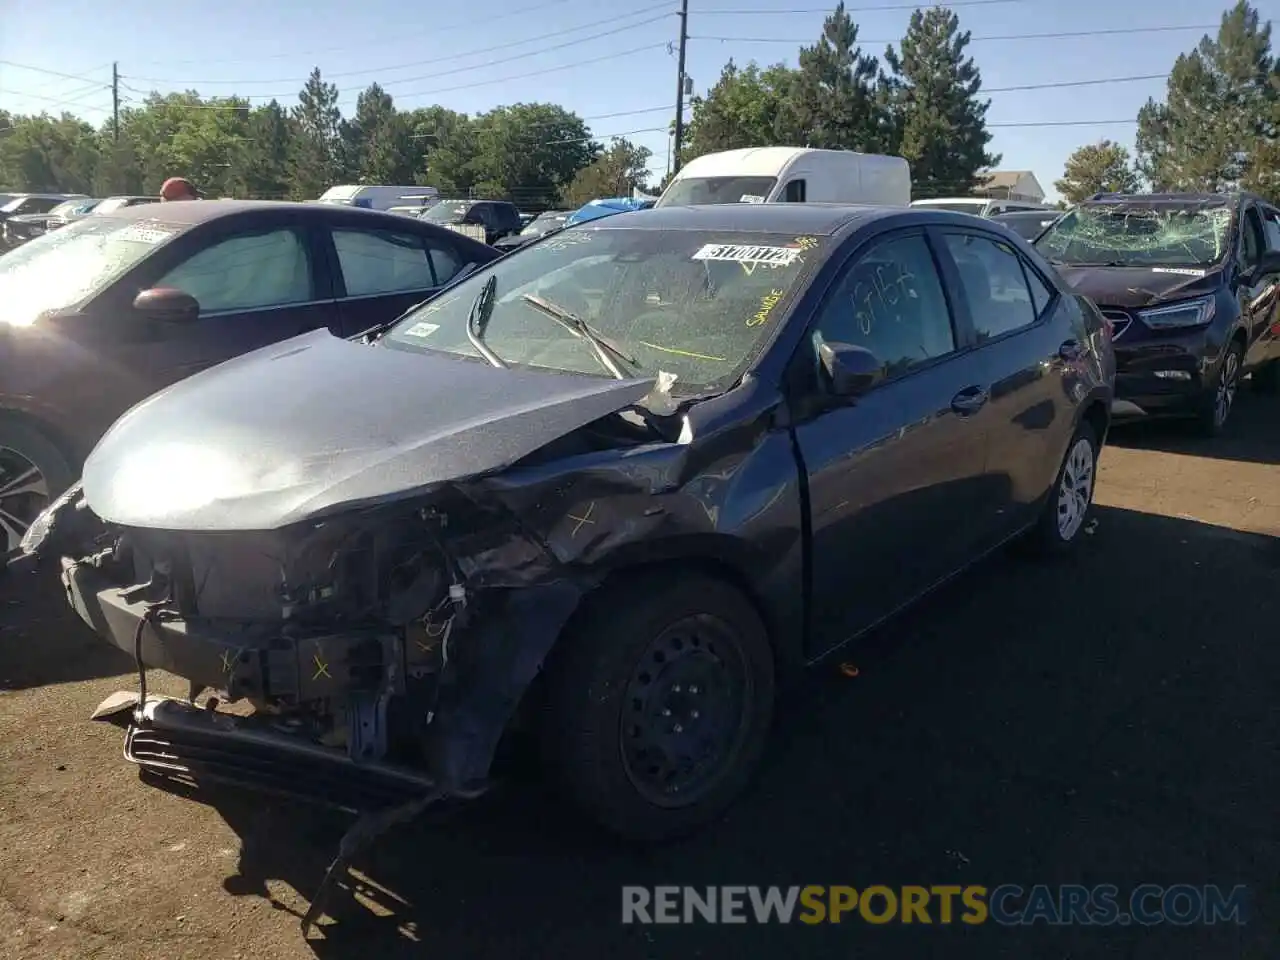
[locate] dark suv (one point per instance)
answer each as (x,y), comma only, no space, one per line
(497,218)
(1190,283)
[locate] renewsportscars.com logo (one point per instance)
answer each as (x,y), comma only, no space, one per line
(1148,904)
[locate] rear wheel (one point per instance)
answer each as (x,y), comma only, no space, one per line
(660,702)
(32,472)
(1067,508)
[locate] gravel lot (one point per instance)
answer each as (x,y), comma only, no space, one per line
(1111,718)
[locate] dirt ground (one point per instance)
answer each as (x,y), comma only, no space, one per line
(1110,718)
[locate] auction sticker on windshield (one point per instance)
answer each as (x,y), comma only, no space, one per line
(422,329)
(742,253)
(145,233)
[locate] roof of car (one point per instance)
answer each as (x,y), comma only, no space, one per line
(822,219)
(1229,196)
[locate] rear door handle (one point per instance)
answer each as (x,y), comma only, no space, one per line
(1071,350)
(969,400)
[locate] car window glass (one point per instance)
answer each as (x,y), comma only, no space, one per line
(1271,228)
(1251,240)
(795,192)
(246,272)
(445,260)
(891,303)
(1041,294)
(995,287)
(381,261)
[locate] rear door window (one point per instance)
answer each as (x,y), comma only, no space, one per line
(995,286)
(377,262)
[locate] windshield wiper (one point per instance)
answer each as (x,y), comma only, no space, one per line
(604,348)
(478,319)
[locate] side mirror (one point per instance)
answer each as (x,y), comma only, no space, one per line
(850,371)
(167,305)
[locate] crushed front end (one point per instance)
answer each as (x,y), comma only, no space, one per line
(383,650)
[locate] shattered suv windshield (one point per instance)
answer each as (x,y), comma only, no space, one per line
(1140,235)
(692,303)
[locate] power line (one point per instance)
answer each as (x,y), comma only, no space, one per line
(606,136)
(459,56)
(52,73)
(1060,84)
(827,10)
(1063,123)
(56,101)
(1008,36)
(465,86)
(432,31)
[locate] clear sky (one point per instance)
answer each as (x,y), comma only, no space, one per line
(608,60)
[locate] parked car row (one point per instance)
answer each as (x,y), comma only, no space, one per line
(19,228)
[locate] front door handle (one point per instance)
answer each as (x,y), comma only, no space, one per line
(1070,350)
(969,400)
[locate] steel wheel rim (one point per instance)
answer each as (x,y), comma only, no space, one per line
(1227,383)
(686,712)
(1075,491)
(23,494)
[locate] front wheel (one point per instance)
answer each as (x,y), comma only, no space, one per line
(1218,401)
(660,703)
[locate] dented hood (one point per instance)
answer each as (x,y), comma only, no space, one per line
(1135,288)
(317,423)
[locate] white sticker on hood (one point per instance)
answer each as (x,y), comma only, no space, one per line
(743,253)
(1180,271)
(422,329)
(141,234)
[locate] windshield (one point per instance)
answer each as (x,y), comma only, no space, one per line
(544,222)
(69,207)
(116,203)
(13,204)
(448,211)
(697,190)
(1026,227)
(59,269)
(695,304)
(1139,235)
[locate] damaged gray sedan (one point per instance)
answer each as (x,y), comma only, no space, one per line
(607,487)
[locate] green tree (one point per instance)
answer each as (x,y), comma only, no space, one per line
(182,134)
(1215,127)
(265,173)
(617,171)
(380,140)
(317,161)
(833,102)
(445,142)
(938,121)
(529,152)
(43,153)
(1102,167)
(743,109)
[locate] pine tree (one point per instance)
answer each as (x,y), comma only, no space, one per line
(317,160)
(833,103)
(1097,167)
(1214,129)
(939,122)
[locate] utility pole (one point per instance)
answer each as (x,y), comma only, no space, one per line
(115,102)
(678,139)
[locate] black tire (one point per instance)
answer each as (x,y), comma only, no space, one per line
(39,451)
(623,637)
(1210,420)
(1049,537)
(1266,379)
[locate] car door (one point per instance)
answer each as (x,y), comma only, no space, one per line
(383,272)
(1259,303)
(894,477)
(257,283)
(1028,342)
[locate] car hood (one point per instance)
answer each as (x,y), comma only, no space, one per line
(316,424)
(1134,288)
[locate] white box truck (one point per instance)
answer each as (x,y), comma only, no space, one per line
(790,175)
(377,196)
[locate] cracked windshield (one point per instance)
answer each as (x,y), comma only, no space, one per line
(459,466)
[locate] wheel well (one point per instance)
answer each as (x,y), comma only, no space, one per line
(48,431)
(1099,417)
(1241,338)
